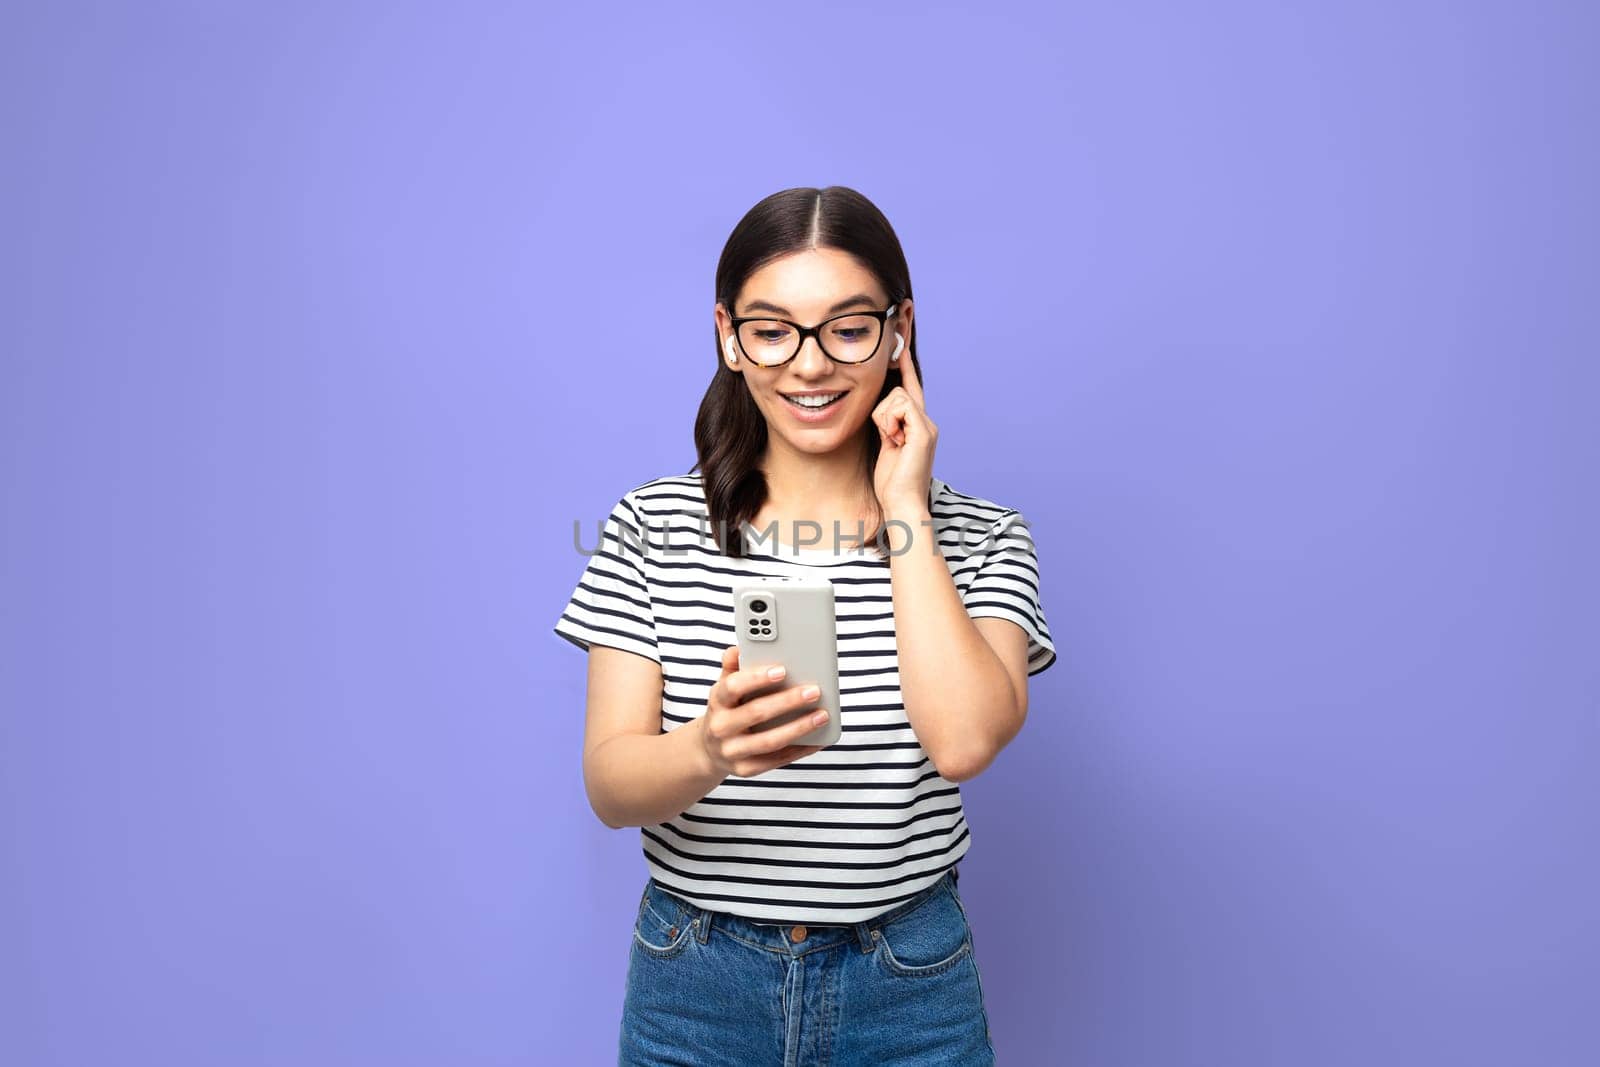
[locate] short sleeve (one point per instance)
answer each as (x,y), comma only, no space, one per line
(611,605)
(1006,586)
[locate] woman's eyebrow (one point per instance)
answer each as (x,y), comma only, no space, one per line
(849,302)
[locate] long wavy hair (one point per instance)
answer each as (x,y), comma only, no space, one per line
(730,433)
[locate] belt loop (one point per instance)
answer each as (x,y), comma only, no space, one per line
(864,935)
(704,918)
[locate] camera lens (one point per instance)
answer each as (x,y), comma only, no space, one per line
(758,606)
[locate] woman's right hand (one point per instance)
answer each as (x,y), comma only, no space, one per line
(735,704)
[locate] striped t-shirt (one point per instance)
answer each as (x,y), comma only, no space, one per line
(842,834)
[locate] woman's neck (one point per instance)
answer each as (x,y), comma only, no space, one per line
(824,489)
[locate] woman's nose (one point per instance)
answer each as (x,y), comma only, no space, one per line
(811,360)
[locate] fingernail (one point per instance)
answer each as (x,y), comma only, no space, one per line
(777,672)
(810,692)
(819,718)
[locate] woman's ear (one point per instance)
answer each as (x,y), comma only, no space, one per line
(729,349)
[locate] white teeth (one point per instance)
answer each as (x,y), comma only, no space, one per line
(819,401)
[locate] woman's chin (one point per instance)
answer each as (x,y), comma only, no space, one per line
(818,440)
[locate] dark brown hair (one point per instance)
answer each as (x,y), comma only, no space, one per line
(730,433)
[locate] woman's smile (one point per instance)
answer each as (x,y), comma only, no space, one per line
(814,405)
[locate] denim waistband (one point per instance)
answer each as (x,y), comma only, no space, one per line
(778,936)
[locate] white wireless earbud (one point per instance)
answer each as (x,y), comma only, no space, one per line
(899,343)
(728,347)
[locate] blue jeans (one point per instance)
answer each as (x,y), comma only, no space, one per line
(708,988)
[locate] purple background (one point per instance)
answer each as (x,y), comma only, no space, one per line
(322,325)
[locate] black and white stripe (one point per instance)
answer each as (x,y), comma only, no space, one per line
(843,834)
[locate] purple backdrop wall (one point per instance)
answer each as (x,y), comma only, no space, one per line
(322,324)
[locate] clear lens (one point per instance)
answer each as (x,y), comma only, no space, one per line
(767,342)
(851,339)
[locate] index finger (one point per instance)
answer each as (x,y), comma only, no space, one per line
(909,379)
(741,684)
(730,667)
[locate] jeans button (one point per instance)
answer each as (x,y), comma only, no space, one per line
(797,934)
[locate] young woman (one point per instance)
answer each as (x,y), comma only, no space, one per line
(801,904)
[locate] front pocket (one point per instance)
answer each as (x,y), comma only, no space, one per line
(664,924)
(929,940)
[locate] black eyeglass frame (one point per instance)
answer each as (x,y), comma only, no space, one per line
(883,318)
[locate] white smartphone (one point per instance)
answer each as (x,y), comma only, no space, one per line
(790,620)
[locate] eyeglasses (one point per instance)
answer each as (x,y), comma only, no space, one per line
(849,338)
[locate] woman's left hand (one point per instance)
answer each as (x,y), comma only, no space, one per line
(906,442)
